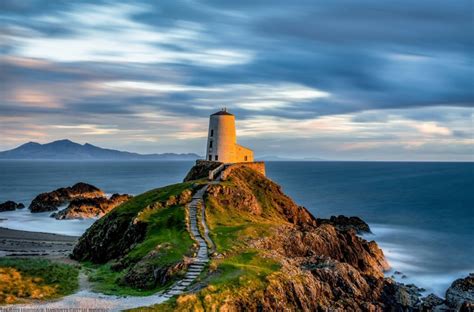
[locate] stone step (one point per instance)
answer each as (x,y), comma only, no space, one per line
(196,269)
(178,288)
(199,270)
(201,260)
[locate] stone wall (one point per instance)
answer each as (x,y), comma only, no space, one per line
(201,170)
(258,166)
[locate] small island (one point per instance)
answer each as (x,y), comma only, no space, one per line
(228,238)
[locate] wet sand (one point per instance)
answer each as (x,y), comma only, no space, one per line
(15,243)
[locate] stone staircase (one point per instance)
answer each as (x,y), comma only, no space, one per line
(202,258)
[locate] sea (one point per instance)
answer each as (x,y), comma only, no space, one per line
(421,213)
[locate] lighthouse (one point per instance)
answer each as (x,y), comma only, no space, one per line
(222,140)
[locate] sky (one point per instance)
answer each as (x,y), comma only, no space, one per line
(334,80)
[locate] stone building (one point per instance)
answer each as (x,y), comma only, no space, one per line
(221,140)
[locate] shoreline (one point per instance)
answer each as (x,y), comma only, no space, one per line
(20,243)
(23,243)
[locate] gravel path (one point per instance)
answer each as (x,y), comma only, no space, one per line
(88,299)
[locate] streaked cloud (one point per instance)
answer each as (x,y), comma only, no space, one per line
(373,81)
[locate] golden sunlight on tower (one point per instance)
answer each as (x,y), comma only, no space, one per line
(222,143)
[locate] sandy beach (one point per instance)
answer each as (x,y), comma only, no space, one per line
(15,243)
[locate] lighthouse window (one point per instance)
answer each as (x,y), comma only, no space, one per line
(216,157)
(210,144)
(212,132)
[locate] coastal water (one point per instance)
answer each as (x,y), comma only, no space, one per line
(421,214)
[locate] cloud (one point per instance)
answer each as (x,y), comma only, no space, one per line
(339,79)
(109,34)
(431,128)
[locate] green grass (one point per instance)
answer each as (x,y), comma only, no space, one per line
(240,271)
(166,226)
(107,281)
(165,233)
(241,268)
(139,202)
(62,277)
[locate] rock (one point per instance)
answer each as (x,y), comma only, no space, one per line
(344,223)
(114,235)
(201,170)
(146,274)
(10,206)
(327,241)
(430,302)
(109,238)
(400,297)
(51,201)
(460,295)
(85,208)
(242,197)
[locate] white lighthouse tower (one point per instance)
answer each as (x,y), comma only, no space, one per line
(221,140)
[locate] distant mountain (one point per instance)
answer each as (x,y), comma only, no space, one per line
(68,150)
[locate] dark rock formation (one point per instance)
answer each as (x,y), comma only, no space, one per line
(109,238)
(460,295)
(430,302)
(400,297)
(201,170)
(84,208)
(52,200)
(344,223)
(10,206)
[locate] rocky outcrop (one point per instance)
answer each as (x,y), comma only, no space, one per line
(316,264)
(10,206)
(114,235)
(51,201)
(146,274)
(344,223)
(460,295)
(109,238)
(201,170)
(253,193)
(85,208)
(431,302)
(327,242)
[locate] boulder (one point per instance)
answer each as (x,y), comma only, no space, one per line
(344,223)
(51,201)
(431,302)
(401,297)
(146,274)
(10,206)
(85,208)
(460,295)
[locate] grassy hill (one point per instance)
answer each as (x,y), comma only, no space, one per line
(270,252)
